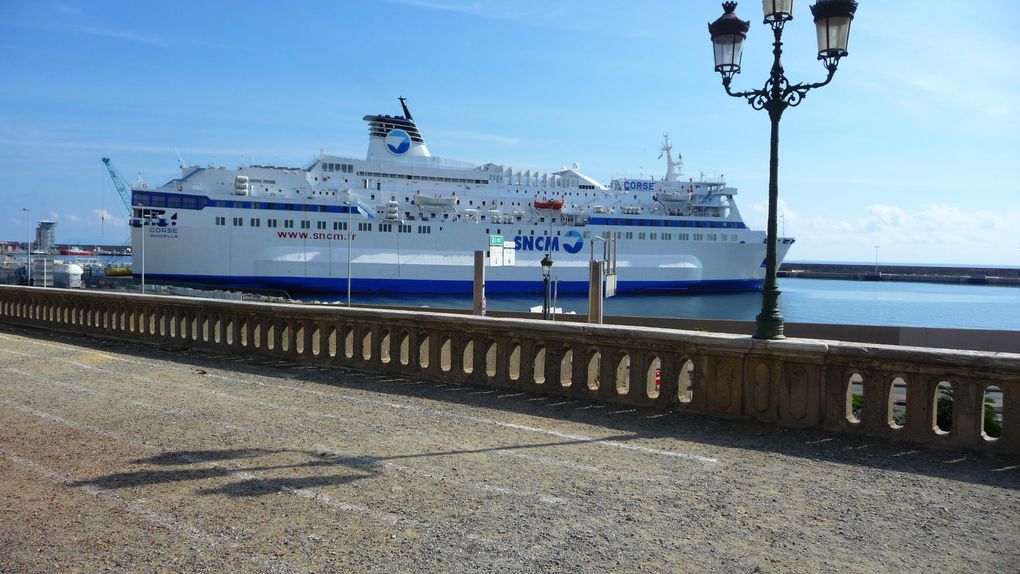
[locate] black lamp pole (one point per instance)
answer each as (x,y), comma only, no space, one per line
(546,272)
(832,20)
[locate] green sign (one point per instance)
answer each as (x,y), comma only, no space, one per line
(495,240)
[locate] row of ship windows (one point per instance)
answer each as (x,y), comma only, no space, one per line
(401,228)
(427,229)
(420,178)
(306,224)
(340,167)
(641,236)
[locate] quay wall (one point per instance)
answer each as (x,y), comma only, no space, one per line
(905,273)
(1001,341)
(791,382)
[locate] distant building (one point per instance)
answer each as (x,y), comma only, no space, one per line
(45,235)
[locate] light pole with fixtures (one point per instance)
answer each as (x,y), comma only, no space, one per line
(349,231)
(547,264)
(142,222)
(876,259)
(28,242)
(832,23)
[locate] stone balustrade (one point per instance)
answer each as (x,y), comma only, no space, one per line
(791,382)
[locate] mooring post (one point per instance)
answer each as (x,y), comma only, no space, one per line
(595,292)
(478,308)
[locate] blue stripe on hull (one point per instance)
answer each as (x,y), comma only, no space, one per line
(319,285)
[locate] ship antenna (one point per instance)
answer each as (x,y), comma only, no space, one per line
(403,104)
(180,161)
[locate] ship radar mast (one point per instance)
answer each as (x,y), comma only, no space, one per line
(673,168)
(403,104)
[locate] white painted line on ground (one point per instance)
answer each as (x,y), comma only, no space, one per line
(905,453)
(157,408)
(468,484)
(75,425)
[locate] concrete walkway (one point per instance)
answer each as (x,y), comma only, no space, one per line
(135,459)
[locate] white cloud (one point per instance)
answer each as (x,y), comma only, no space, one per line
(788,218)
(932,224)
(883,216)
(96,218)
(109,219)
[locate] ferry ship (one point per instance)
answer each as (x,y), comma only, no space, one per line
(405,221)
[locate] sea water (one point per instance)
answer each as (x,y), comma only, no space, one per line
(802,301)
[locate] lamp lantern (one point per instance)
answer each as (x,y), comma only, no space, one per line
(832,23)
(728,35)
(546,263)
(777,10)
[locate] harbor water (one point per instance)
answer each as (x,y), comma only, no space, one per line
(831,301)
(802,301)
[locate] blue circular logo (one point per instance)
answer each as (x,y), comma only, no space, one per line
(578,241)
(398,142)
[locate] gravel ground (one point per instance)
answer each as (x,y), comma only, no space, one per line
(126,458)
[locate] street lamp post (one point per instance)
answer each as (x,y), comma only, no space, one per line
(349,231)
(142,221)
(547,263)
(876,259)
(832,22)
(28,243)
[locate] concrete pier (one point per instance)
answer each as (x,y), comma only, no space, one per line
(1007,276)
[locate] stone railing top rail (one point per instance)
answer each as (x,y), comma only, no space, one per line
(997,361)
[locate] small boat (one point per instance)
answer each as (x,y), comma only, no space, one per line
(553,204)
(673,199)
(435,202)
(117,271)
(75,250)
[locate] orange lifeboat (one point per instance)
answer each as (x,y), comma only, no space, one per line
(554,204)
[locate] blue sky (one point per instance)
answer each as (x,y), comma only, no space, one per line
(912,147)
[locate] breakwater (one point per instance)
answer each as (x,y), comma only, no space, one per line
(908,273)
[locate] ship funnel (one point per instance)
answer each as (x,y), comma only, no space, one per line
(394,137)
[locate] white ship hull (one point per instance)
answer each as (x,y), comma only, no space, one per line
(411,225)
(317,262)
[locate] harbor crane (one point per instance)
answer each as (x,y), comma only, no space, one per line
(118,182)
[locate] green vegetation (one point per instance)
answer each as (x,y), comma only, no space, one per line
(944,412)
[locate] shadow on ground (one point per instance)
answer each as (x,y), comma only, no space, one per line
(247,484)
